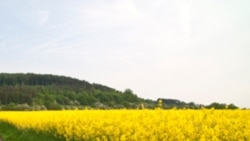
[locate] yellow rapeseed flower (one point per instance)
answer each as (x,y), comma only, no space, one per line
(135,125)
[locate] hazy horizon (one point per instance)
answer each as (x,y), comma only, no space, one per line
(194,51)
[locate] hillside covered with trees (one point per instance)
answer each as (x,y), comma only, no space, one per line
(30,91)
(56,92)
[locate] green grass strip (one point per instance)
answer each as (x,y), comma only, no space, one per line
(9,132)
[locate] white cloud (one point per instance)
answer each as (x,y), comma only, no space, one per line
(185,18)
(2,44)
(42,17)
(110,15)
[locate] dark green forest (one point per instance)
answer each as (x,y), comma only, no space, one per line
(19,91)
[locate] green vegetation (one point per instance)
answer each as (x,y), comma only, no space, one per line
(9,132)
(30,91)
(38,92)
(174,103)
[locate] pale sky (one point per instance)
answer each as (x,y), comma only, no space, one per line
(191,50)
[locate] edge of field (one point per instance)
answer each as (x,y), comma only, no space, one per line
(9,132)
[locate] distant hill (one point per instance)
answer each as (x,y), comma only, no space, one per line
(29,91)
(52,91)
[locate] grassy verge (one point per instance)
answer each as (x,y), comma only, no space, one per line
(8,132)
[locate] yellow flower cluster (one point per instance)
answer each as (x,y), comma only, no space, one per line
(137,125)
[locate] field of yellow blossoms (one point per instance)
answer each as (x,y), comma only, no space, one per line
(137,125)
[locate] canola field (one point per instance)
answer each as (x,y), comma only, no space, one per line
(136,125)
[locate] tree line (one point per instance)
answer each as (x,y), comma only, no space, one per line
(174,103)
(30,91)
(56,92)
